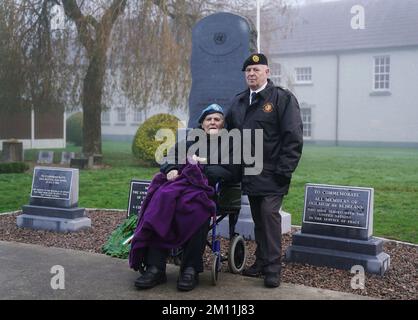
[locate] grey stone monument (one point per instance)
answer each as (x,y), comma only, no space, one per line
(45,157)
(12,151)
(54,202)
(337,230)
(66,157)
(137,193)
(220,44)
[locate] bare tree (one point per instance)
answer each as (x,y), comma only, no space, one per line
(141,48)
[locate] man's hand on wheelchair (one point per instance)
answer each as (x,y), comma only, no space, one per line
(172,175)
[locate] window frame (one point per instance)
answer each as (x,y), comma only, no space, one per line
(303,81)
(276,77)
(121,111)
(380,73)
(105,122)
(307,126)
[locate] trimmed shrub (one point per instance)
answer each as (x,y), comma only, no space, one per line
(13,167)
(144,144)
(75,128)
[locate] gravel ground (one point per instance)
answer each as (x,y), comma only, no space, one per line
(400,282)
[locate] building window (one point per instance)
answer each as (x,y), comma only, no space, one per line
(381,73)
(303,75)
(306,114)
(121,115)
(106,118)
(137,116)
(275,72)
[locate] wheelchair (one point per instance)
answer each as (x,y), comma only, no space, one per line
(228,203)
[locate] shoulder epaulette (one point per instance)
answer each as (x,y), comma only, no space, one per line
(284,89)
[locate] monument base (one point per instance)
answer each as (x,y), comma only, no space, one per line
(66,213)
(245,223)
(339,253)
(52,223)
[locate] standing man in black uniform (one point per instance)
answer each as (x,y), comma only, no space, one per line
(276,111)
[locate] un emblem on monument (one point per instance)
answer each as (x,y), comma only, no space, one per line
(219,38)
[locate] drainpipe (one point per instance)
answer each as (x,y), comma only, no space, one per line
(64,134)
(337,101)
(32,128)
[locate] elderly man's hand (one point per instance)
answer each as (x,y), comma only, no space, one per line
(172,175)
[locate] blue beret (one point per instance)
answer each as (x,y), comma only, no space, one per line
(213,108)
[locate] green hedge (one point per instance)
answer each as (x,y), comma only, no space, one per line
(13,167)
(144,144)
(74,130)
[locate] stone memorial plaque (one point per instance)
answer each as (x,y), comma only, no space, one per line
(12,151)
(137,193)
(337,230)
(56,187)
(220,44)
(338,211)
(66,157)
(54,202)
(46,157)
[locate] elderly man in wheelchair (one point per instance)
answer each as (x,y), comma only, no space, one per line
(176,213)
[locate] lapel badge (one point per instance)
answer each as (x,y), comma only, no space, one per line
(268,107)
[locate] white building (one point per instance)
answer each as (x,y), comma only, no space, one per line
(353,66)
(121,123)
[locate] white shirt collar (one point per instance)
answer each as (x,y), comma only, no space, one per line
(259,89)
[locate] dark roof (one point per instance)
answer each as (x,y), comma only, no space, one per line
(326,27)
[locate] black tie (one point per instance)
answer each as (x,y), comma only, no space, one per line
(253,95)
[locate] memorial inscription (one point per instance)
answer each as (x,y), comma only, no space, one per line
(338,211)
(51,184)
(137,193)
(337,230)
(337,206)
(54,202)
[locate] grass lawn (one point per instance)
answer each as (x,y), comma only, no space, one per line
(392,172)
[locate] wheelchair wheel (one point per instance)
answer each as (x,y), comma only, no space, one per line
(216,267)
(237,254)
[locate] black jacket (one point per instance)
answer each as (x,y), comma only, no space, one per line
(215,172)
(276,111)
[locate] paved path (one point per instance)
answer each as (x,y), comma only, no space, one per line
(25,273)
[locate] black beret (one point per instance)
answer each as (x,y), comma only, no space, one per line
(256,58)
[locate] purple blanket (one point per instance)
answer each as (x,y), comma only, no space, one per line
(172,212)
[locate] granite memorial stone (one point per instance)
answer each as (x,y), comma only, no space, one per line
(45,157)
(54,202)
(12,151)
(137,193)
(66,157)
(79,163)
(337,229)
(220,44)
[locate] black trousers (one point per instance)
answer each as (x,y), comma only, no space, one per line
(267,230)
(193,251)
